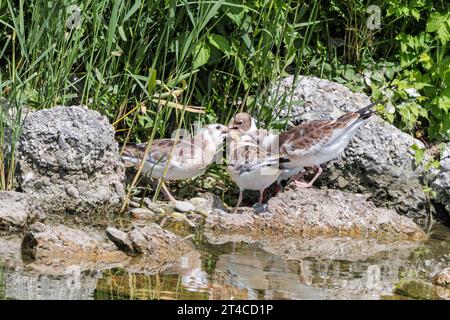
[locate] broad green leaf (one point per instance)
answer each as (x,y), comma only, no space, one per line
(440,24)
(201,55)
(220,42)
(419,154)
(239,65)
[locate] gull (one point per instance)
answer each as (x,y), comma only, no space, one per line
(244,125)
(252,168)
(170,159)
(315,142)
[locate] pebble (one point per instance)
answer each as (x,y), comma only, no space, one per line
(134,204)
(154,207)
(141,213)
(83,186)
(184,206)
(201,205)
(73,192)
(120,239)
(442,278)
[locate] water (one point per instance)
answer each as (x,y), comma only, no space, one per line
(330,268)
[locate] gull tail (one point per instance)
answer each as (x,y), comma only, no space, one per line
(367,111)
(282,160)
(130,154)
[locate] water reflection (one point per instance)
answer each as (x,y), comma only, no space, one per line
(333,268)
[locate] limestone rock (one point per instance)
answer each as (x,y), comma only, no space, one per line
(68,159)
(313,212)
(440,180)
(56,244)
(151,241)
(16,209)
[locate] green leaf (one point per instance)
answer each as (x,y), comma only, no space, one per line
(133,9)
(151,81)
(419,154)
(239,65)
(440,24)
(220,42)
(415,13)
(201,55)
(122,33)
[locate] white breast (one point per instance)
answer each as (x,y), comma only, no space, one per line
(173,172)
(255,179)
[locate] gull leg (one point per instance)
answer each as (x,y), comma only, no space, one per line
(277,187)
(167,192)
(310,183)
(239,201)
(297,176)
(261,196)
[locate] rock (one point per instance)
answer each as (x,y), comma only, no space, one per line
(142,213)
(313,212)
(205,203)
(184,206)
(443,278)
(10,251)
(379,160)
(16,209)
(422,290)
(134,204)
(68,159)
(53,244)
(156,207)
(440,181)
(151,241)
(120,239)
(201,205)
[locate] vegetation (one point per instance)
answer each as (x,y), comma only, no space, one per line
(154,66)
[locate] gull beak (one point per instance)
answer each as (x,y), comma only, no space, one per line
(231,124)
(226,130)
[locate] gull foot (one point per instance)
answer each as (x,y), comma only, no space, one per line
(301,184)
(260,208)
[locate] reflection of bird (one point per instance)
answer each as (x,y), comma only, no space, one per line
(252,168)
(184,159)
(315,142)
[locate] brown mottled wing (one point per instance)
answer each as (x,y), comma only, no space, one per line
(310,136)
(158,153)
(258,135)
(247,156)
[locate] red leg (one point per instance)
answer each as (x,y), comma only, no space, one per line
(261,196)
(297,176)
(277,188)
(310,183)
(239,201)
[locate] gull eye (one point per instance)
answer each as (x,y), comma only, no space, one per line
(218,127)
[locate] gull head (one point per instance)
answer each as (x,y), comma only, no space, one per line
(217,132)
(242,122)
